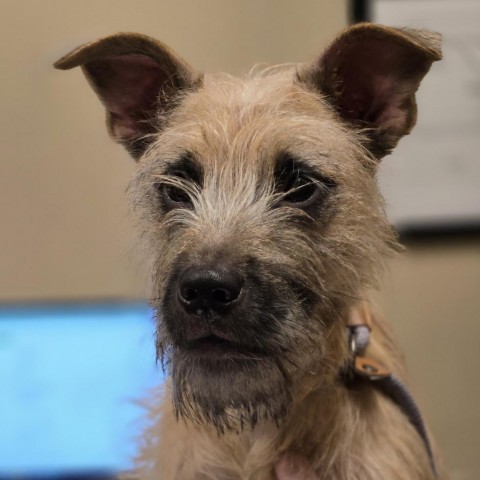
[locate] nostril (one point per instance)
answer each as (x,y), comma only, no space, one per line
(224,296)
(189,294)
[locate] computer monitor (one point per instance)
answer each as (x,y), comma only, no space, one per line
(71,377)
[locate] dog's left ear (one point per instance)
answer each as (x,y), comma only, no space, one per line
(370,74)
(138,79)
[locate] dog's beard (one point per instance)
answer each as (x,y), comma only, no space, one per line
(242,388)
(229,394)
(270,342)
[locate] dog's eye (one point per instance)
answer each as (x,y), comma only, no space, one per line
(298,185)
(176,194)
(299,189)
(173,196)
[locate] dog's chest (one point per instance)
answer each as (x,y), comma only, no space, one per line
(246,456)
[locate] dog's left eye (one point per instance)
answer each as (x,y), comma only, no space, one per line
(298,185)
(299,189)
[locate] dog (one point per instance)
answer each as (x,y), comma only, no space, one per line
(257,202)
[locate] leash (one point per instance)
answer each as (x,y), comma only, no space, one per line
(368,370)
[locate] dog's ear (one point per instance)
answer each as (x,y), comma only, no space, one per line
(370,74)
(138,79)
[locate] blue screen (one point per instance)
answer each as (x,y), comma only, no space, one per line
(69,379)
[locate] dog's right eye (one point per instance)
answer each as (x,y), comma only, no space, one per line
(180,180)
(176,195)
(173,196)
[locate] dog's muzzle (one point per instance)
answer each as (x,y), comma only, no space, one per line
(235,306)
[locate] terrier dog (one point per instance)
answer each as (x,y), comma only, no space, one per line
(258,202)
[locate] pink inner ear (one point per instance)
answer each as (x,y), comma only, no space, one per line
(388,102)
(129,86)
(375,81)
(396,115)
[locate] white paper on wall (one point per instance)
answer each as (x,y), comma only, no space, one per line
(433,176)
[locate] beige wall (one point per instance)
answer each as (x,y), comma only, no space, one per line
(432,298)
(65,230)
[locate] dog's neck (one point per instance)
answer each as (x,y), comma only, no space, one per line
(328,429)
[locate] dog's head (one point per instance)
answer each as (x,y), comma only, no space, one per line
(258,200)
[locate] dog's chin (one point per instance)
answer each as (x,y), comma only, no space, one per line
(223,385)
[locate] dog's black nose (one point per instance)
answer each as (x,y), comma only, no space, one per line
(201,290)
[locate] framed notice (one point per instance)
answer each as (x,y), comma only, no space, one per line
(432,180)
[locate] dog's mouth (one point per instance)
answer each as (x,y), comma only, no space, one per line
(217,347)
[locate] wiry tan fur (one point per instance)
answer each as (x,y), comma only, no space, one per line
(342,434)
(236,129)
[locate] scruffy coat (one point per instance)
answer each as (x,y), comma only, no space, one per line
(215,157)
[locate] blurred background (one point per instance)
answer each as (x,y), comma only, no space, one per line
(76,341)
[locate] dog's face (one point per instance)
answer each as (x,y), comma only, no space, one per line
(258,203)
(251,200)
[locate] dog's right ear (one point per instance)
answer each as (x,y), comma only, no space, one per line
(138,79)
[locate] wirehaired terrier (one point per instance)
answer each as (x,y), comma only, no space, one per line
(258,202)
